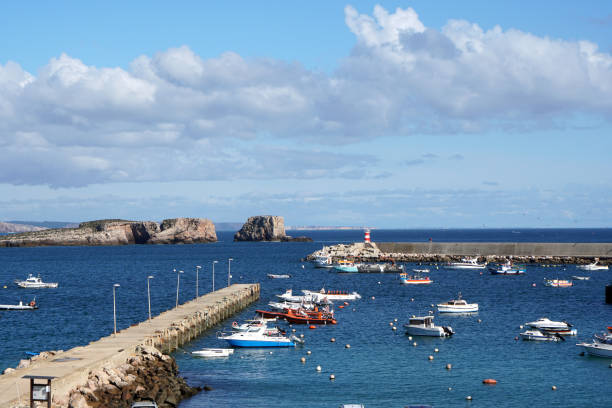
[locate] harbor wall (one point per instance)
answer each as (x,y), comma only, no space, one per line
(535,249)
(111,367)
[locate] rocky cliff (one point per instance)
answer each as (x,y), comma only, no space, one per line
(262,228)
(119,232)
(10,227)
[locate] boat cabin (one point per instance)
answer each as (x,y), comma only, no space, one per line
(425,321)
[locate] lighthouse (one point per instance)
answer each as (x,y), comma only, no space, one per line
(366,236)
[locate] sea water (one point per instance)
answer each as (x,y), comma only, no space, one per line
(382,367)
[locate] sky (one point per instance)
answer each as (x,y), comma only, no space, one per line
(389,114)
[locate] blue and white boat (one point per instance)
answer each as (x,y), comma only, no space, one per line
(507,269)
(346,266)
(323,261)
(258,335)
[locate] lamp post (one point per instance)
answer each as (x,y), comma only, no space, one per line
(149,294)
(198,267)
(178,283)
(116,285)
(229,274)
(213,273)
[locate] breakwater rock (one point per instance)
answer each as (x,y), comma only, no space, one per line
(147,375)
(119,232)
(266,228)
(525,252)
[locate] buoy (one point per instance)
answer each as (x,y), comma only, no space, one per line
(610,365)
(4,286)
(449,388)
(395,320)
(309,352)
(554,388)
(332,377)
(432,305)
(449,366)
(373,298)
(318,368)
(346,303)
(521,326)
(312,326)
(332,340)
(354,310)
(302,336)
(479,321)
(430,358)
(390,323)
(414,344)
(412,299)
(293,330)
(516,338)
(469,398)
(302,266)
(489,381)
(303,360)
(341,307)
(270,352)
(347,346)
(394,328)
(436,350)
(409,337)
(379,282)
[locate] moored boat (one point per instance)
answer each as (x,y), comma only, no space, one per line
(35,282)
(583,278)
(30,306)
(551,326)
(331,295)
(467,263)
(257,336)
(457,306)
(301,316)
(507,268)
(282,276)
(558,283)
(424,326)
(537,335)
(415,279)
(597,349)
(379,268)
(213,352)
(595,266)
(323,261)
(344,265)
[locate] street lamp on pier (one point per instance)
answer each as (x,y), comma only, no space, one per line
(198,267)
(149,294)
(116,285)
(213,275)
(229,274)
(178,284)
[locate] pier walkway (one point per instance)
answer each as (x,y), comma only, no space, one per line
(166,332)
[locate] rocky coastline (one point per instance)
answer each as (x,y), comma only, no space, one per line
(270,228)
(118,232)
(370,252)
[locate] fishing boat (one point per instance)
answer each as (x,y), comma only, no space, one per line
(424,326)
(597,349)
(379,268)
(283,276)
(457,306)
(257,336)
(30,306)
(288,296)
(35,282)
(558,283)
(301,316)
(415,279)
(331,295)
(582,278)
(323,261)
(537,335)
(344,265)
(213,352)
(291,305)
(507,269)
(467,263)
(551,326)
(595,266)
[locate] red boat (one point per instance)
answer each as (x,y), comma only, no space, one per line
(301,316)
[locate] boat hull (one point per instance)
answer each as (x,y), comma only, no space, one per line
(415,281)
(507,272)
(346,268)
(597,349)
(538,337)
(259,343)
(470,308)
(429,332)
(458,266)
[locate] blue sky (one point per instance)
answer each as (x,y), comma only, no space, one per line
(389,114)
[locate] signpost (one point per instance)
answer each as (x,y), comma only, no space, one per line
(40,391)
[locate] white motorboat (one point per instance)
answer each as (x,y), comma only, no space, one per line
(35,282)
(583,278)
(291,305)
(323,261)
(558,283)
(424,326)
(30,306)
(457,306)
(213,352)
(595,266)
(550,326)
(331,295)
(597,349)
(537,335)
(282,276)
(257,336)
(467,263)
(288,296)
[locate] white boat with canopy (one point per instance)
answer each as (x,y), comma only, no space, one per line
(457,306)
(35,282)
(424,326)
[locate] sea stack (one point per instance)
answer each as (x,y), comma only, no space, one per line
(262,228)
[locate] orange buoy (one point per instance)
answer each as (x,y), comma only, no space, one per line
(341,307)
(312,326)
(489,381)
(346,303)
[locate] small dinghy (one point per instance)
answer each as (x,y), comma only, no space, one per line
(213,352)
(283,276)
(537,335)
(30,306)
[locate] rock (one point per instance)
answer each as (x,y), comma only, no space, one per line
(288,238)
(8,371)
(262,228)
(119,232)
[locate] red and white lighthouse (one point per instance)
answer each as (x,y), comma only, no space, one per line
(366,236)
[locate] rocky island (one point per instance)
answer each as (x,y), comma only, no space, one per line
(119,232)
(266,228)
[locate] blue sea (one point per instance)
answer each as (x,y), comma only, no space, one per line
(382,367)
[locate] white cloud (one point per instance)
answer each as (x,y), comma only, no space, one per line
(176,116)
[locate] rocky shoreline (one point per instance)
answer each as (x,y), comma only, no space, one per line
(119,232)
(369,252)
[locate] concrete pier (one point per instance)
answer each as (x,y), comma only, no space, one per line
(166,332)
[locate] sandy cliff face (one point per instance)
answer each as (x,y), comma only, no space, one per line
(118,232)
(262,228)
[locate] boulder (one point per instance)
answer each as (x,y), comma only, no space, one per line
(262,228)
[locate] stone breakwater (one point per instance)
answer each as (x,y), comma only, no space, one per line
(130,366)
(556,253)
(119,232)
